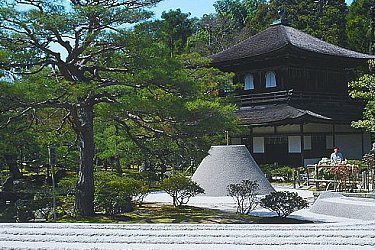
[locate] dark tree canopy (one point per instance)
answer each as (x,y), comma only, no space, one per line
(106,75)
(360,25)
(177,27)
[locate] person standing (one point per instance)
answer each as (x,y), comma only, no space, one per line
(336,156)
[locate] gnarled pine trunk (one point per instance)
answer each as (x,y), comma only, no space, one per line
(85,186)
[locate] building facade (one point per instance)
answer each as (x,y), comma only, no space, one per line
(294,101)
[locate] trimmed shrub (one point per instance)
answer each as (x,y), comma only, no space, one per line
(285,172)
(24,211)
(181,188)
(42,204)
(244,194)
(267,170)
(115,194)
(66,188)
(283,203)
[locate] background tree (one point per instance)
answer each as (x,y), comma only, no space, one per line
(364,89)
(232,10)
(109,73)
(359,28)
(237,20)
(322,19)
(233,22)
(177,27)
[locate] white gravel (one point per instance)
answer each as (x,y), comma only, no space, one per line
(335,204)
(339,233)
(179,236)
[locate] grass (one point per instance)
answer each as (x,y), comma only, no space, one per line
(162,213)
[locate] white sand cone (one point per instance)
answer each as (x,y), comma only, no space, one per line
(228,165)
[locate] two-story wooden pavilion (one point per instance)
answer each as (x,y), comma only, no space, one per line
(294,100)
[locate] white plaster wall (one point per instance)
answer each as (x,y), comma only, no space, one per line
(307,143)
(294,144)
(258,145)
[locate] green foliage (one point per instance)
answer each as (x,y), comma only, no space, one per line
(238,12)
(4,175)
(145,104)
(358,27)
(283,203)
(181,188)
(67,185)
(24,211)
(236,20)
(149,176)
(115,194)
(363,89)
(178,122)
(66,189)
(267,170)
(285,172)
(368,161)
(244,194)
(326,174)
(322,19)
(233,22)
(42,204)
(8,213)
(177,27)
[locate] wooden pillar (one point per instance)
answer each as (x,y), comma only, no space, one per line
(251,140)
(362,143)
(317,177)
(302,145)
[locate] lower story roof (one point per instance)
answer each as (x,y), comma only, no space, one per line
(287,113)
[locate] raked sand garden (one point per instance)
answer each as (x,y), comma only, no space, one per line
(327,231)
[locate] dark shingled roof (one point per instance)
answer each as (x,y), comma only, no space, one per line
(286,113)
(274,113)
(280,36)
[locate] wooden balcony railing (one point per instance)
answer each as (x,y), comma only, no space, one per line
(290,95)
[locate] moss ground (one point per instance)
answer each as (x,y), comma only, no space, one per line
(163,213)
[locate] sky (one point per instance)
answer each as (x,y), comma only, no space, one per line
(196,7)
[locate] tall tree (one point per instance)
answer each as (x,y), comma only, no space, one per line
(238,12)
(360,26)
(233,10)
(177,27)
(102,71)
(323,19)
(363,89)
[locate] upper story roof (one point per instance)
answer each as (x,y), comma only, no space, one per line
(279,36)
